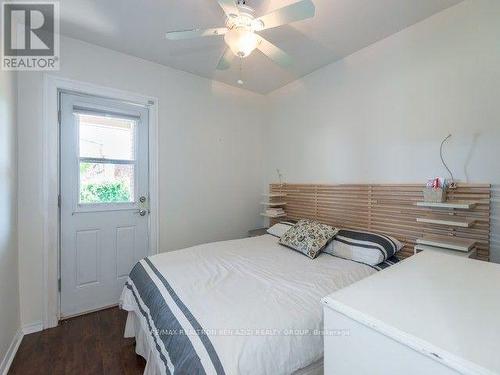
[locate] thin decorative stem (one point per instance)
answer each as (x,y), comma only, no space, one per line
(280,177)
(452,184)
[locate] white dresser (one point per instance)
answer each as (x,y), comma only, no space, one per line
(429,314)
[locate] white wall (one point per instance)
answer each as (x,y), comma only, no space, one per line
(9,290)
(379,115)
(210,137)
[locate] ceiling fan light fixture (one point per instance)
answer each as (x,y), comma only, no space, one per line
(241,41)
(257,25)
(241,28)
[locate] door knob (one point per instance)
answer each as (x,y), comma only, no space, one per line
(143,206)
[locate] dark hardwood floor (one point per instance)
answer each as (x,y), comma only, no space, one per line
(88,344)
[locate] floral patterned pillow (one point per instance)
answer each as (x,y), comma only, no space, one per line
(309,237)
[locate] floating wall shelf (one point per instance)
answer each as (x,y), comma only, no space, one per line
(274,207)
(463,254)
(452,221)
(453,243)
(272,216)
(273,204)
(462,205)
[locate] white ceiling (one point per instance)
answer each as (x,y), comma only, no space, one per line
(339,28)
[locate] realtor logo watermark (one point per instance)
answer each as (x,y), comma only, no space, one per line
(30,35)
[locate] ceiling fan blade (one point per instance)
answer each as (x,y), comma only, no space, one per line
(291,13)
(229,7)
(225,60)
(276,54)
(195,33)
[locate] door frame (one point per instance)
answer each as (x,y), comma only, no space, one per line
(53,85)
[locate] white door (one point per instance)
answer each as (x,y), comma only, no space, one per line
(104,199)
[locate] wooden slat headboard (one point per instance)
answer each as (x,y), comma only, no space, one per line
(389,209)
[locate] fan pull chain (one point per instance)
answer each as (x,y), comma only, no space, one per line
(240,79)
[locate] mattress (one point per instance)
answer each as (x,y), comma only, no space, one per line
(134,328)
(247,306)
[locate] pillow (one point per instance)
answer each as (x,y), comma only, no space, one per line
(365,247)
(279,229)
(308,237)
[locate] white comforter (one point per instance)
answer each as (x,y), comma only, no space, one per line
(258,303)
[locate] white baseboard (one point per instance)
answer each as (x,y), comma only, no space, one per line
(11,352)
(14,345)
(32,328)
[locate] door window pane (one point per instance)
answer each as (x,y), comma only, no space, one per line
(103,137)
(107,158)
(106,183)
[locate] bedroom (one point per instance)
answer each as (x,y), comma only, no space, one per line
(364,100)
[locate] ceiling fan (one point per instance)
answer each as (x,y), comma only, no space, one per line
(240,32)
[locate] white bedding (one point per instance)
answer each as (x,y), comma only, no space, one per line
(258,303)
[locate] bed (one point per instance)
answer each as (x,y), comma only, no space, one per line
(247,306)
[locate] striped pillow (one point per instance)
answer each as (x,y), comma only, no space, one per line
(279,229)
(365,247)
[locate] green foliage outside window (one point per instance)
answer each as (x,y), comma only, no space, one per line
(104,193)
